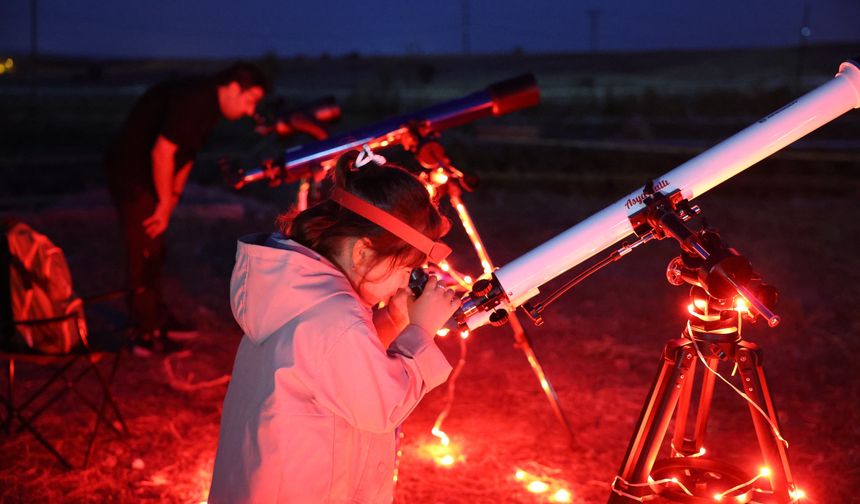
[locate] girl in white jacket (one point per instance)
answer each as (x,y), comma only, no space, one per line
(320,382)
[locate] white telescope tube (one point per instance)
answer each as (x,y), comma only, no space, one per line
(521,278)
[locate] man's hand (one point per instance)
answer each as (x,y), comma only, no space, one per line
(157,223)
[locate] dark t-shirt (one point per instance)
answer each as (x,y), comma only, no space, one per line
(183,111)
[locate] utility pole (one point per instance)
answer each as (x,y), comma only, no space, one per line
(467,46)
(594,18)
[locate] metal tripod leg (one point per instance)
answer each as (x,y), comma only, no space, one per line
(681,444)
(773,449)
(523,342)
(678,356)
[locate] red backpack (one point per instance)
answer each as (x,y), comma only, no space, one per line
(41,288)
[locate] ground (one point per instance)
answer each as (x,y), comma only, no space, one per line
(600,347)
(795,217)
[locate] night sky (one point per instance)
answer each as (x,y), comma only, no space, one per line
(224,28)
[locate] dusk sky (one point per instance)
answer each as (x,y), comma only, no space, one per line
(222,28)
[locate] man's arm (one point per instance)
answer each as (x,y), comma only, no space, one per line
(180,178)
(165,178)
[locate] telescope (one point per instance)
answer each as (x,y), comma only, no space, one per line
(305,118)
(306,160)
(514,284)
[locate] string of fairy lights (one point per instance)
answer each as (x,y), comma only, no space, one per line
(746,491)
(446,454)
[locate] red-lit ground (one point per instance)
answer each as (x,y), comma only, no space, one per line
(600,347)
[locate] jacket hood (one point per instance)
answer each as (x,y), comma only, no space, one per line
(276,279)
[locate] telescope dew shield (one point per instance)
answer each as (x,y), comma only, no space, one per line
(521,278)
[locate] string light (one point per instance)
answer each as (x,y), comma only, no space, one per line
(555,490)
(764,472)
(444,453)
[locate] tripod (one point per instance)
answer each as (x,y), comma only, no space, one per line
(712,335)
(446,180)
(723,286)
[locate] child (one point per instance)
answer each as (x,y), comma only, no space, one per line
(317,391)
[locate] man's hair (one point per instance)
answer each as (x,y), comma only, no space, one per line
(247,75)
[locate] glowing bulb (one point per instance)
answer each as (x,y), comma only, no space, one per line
(430,189)
(467,279)
(764,472)
(439,178)
(443,332)
(520,474)
(701,304)
(718,497)
(9,63)
(464,334)
(445,266)
(447,460)
(384,143)
(741,305)
(561,496)
(537,487)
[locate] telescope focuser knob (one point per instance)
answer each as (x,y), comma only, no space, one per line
(482,287)
(674,271)
(499,318)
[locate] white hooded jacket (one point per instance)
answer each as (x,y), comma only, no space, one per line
(314,398)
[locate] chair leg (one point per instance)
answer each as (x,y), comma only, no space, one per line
(14,413)
(38,392)
(47,444)
(99,407)
(107,400)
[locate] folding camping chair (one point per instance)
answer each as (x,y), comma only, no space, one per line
(79,371)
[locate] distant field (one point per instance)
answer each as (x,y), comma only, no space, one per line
(631,113)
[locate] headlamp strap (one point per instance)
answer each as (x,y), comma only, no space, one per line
(436,251)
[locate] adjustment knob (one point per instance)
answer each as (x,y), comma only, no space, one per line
(499,317)
(674,271)
(482,287)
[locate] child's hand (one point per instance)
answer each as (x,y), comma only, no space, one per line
(398,308)
(433,307)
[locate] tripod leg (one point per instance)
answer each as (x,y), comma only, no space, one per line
(524,343)
(773,450)
(520,336)
(687,446)
(632,480)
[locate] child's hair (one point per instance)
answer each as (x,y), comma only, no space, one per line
(324,226)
